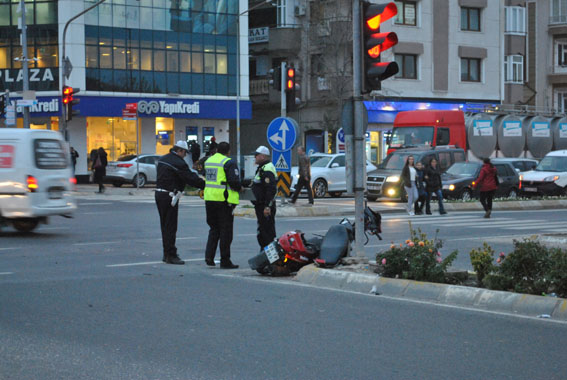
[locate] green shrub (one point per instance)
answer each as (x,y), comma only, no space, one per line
(528,267)
(481,260)
(418,259)
(558,274)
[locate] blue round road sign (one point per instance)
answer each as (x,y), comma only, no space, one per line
(282,133)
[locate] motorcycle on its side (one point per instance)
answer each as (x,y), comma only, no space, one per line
(291,251)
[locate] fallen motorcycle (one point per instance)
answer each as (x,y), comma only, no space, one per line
(293,250)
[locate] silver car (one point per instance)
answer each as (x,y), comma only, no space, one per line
(124,170)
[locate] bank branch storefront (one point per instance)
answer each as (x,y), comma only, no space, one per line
(161,122)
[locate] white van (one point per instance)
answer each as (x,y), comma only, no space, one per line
(36,178)
(549,177)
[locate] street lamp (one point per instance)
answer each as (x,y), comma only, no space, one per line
(238,77)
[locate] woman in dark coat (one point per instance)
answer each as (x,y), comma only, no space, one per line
(433,179)
(486,183)
(99,167)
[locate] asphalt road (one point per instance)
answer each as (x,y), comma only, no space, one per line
(88,298)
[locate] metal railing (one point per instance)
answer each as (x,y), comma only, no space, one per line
(558,19)
(519,109)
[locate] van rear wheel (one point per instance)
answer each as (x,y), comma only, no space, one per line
(25,225)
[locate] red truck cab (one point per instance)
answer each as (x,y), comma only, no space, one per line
(432,128)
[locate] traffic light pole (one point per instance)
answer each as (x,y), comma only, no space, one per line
(282,90)
(26,84)
(359,161)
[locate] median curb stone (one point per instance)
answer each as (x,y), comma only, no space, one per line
(456,295)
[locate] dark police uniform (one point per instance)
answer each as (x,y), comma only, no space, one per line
(264,188)
(172,175)
(221,197)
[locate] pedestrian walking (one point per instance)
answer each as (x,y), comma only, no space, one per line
(99,168)
(421,190)
(408,180)
(74,155)
(304,180)
(487,183)
(264,188)
(221,197)
(173,174)
(434,185)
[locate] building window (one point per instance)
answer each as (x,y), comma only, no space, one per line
(562,102)
(408,66)
(558,11)
(281,10)
(561,53)
(515,20)
(406,12)
(470,70)
(470,19)
(514,69)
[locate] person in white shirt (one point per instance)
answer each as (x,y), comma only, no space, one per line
(408,180)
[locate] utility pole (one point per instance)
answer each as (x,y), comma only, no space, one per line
(24,43)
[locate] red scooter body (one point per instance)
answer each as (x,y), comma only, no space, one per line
(295,248)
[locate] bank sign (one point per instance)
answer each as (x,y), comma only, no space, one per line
(40,79)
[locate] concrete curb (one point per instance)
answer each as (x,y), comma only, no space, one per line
(471,297)
(302,211)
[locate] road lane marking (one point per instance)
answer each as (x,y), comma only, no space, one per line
(7,249)
(150,263)
(94,203)
(98,243)
(6,273)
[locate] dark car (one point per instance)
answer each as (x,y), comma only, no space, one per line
(458,180)
(519,164)
(385,181)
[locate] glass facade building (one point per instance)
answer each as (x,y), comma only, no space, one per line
(176,57)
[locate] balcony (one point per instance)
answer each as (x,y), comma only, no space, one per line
(558,19)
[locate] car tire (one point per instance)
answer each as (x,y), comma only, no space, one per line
(513,193)
(319,188)
(117,183)
(466,195)
(141,181)
(336,194)
(372,198)
(25,225)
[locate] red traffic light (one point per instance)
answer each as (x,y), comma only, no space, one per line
(290,80)
(379,42)
(67,95)
(376,14)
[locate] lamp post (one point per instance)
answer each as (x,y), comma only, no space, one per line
(238,78)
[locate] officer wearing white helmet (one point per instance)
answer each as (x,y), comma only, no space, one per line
(264,187)
(173,174)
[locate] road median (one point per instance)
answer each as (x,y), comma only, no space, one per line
(454,295)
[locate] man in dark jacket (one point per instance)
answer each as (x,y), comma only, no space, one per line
(173,174)
(264,188)
(434,186)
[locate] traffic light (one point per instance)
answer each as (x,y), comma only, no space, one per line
(69,101)
(290,87)
(276,81)
(374,43)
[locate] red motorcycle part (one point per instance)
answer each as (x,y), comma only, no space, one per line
(293,245)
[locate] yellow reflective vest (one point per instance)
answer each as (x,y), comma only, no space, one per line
(216,186)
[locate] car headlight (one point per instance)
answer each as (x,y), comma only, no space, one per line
(297,176)
(551,178)
(393,178)
(451,187)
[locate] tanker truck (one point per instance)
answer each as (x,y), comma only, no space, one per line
(487,134)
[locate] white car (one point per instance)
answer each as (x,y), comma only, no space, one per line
(124,170)
(327,174)
(548,178)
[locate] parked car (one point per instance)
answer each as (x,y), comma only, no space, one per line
(519,164)
(327,174)
(123,170)
(386,180)
(548,178)
(459,178)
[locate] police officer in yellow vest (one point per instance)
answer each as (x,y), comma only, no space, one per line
(222,184)
(264,188)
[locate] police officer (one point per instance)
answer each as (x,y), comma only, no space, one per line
(264,188)
(221,197)
(173,174)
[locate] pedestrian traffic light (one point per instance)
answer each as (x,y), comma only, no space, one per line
(374,43)
(276,81)
(69,101)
